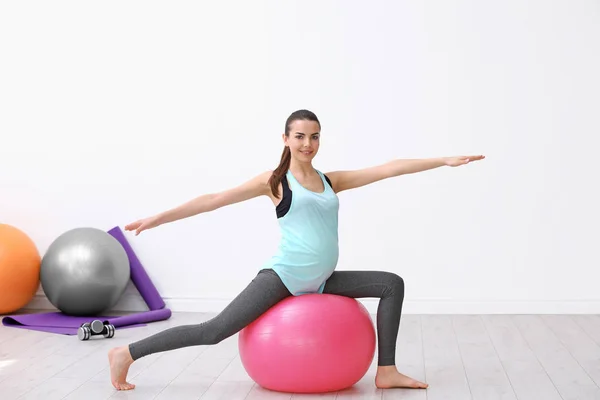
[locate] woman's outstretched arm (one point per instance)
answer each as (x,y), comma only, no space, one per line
(345,180)
(254,187)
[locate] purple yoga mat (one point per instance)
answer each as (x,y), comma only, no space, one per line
(57,322)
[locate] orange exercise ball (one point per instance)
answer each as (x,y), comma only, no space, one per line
(19,269)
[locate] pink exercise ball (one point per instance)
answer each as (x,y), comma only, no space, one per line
(312,343)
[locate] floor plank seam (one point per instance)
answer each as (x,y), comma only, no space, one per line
(423,353)
(564,346)
(516,326)
(489,335)
(462,361)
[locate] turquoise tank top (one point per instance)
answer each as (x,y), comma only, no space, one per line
(308,251)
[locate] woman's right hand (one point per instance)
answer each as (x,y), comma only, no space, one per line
(143,224)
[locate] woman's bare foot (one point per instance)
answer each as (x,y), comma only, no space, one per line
(388,377)
(119,360)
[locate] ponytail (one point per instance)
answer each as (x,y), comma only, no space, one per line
(280,171)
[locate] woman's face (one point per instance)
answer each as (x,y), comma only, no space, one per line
(303,139)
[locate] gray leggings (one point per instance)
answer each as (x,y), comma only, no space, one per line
(265,290)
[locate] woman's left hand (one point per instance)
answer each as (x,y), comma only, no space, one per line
(461,160)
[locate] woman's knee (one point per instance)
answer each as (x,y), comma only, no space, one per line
(216,337)
(395,284)
(215,333)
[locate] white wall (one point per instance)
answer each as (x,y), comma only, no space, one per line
(112,112)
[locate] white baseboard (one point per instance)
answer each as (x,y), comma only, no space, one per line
(133,302)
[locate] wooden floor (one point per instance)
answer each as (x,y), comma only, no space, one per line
(537,357)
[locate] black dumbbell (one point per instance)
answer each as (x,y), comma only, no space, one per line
(95,328)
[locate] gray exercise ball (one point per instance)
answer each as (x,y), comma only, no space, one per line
(84,271)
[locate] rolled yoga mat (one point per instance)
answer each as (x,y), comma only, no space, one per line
(58,322)
(138,274)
